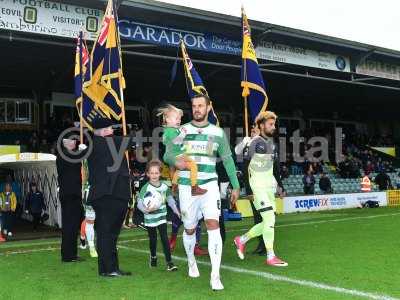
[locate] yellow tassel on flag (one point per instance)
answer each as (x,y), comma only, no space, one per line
(246,91)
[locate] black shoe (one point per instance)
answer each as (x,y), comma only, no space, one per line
(153,262)
(112,274)
(124,273)
(76,259)
(260,250)
(171,267)
(83,243)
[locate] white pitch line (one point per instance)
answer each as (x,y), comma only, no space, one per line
(232,230)
(266,275)
(29,251)
(258,273)
(337,220)
(270,276)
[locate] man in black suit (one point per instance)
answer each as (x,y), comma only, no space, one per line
(109,194)
(70,193)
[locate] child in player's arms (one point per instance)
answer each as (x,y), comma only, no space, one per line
(174,150)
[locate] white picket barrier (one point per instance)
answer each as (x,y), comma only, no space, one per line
(41,169)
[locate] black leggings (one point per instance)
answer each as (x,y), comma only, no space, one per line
(36,220)
(8,220)
(162,230)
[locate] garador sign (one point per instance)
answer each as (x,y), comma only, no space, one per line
(50,18)
(146,33)
(206,41)
(60,19)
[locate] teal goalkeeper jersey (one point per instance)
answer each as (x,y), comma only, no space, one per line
(261,167)
(203,145)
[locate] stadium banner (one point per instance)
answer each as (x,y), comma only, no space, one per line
(393,197)
(9,149)
(329,202)
(160,35)
(65,20)
(302,56)
(387,150)
(379,69)
(49,18)
(209,42)
(244,207)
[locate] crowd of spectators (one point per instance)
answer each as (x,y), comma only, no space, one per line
(365,160)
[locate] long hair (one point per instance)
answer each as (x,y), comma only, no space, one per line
(164,111)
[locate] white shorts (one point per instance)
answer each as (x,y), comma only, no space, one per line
(90,214)
(193,208)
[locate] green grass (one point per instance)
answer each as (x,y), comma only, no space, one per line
(359,252)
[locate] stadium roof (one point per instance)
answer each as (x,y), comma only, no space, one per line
(52,59)
(256,25)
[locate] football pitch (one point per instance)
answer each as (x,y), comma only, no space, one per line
(347,254)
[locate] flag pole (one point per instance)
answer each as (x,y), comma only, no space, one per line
(83,171)
(122,83)
(121,91)
(124,131)
(245,94)
(246,117)
(82,79)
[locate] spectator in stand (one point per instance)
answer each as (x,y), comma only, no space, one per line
(325,184)
(53,149)
(53,121)
(7,209)
(389,167)
(308,166)
(369,168)
(383,181)
(379,165)
(309,182)
(317,167)
(47,135)
(284,171)
(354,168)
(35,205)
(34,143)
(364,156)
(343,168)
(44,147)
(66,121)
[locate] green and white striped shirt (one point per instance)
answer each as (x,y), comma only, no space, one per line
(158,216)
(203,144)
